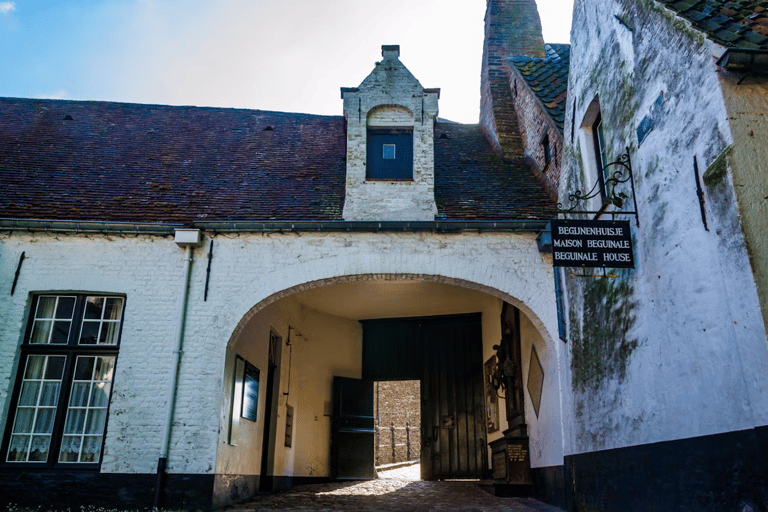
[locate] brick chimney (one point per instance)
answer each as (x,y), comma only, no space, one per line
(512,28)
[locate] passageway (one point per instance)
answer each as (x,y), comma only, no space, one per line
(392,495)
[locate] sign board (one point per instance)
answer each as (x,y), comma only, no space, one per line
(592,243)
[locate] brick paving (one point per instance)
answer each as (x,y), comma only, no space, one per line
(392,495)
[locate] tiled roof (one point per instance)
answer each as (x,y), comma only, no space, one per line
(732,24)
(472,183)
(119,162)
(548,78)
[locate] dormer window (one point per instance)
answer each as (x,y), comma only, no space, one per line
(390,154)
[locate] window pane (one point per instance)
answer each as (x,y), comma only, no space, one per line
(19,448)
(100,395)
(79,397)
(41,330)
(109,332)
(24,418)
(44,421)
(89,333)
(40,446)
(60,331)
(84,368)
(35,367)
(66,308)
(93,308)
(55,369)
(91,449)
(389,152)
(70,449)
(50,395)
(75,421)
(29,391)
(104,367)
(45,307)
(96,421)
(114,308)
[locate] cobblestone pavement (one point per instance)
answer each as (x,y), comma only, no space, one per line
(408,472)
(391,494)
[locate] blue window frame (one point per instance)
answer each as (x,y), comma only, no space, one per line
(390,154)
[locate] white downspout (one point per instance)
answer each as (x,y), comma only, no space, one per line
(188,239)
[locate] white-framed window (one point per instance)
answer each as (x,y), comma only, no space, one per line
(594,147)
(61,399)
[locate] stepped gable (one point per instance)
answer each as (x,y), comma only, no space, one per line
(121,162)
(473,183)
(548,78)
(741,24)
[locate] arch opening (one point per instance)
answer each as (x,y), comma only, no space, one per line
(321,327)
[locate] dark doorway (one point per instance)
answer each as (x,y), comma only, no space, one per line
(445,354)
(270,416)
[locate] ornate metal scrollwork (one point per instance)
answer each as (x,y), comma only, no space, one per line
(612,195)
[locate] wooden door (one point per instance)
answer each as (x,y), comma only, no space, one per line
(445,354)
(352,429)
(453,419)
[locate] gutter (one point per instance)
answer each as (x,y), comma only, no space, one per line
(70,226)
(336,226)
(301,226)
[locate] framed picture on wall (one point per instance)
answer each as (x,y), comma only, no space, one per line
(491,398)
(250,392)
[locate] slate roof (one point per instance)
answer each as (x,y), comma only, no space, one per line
(548,78)
(120,162)
(733,24)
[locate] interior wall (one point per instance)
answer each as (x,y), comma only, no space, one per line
(544,430)
(321,346)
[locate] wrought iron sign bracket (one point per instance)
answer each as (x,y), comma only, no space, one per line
(614,192)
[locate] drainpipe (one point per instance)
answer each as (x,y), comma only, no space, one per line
(187,239)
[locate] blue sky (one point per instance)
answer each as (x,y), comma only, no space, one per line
(288,55)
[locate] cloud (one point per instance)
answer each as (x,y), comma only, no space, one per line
(7,7)
(61,94)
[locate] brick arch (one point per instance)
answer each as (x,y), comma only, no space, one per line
(432,278)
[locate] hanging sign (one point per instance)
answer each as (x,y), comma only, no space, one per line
(592,243)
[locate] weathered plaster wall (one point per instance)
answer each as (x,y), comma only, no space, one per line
(248,273)
(322,346)
(672,349)
(747,107)
(390,96)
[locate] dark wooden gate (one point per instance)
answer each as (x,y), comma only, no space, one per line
(352,429)
(445,354)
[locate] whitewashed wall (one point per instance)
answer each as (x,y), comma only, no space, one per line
(248,273)
(675,348)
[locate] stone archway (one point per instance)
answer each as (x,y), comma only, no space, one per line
(304,341)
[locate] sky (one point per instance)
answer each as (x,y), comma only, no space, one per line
(283,55)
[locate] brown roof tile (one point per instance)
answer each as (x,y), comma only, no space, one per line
(119,162)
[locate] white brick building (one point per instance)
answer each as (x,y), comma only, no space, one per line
(224,260)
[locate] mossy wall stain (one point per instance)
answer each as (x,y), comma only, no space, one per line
(602,341)
(717,170)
